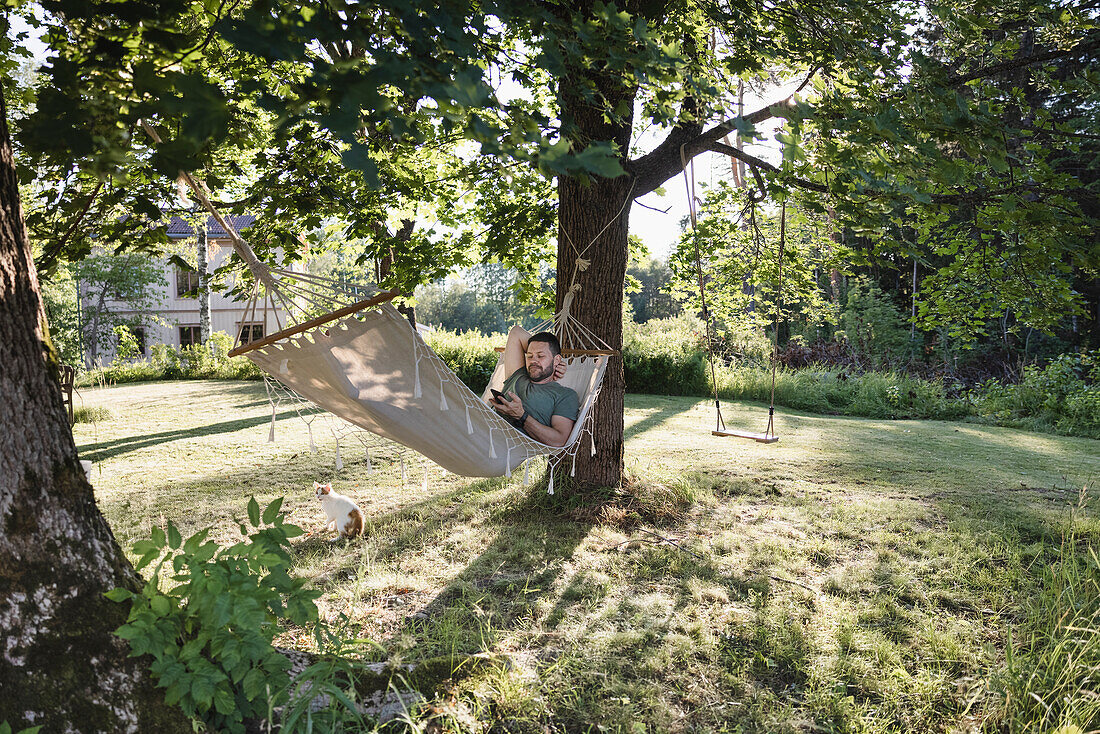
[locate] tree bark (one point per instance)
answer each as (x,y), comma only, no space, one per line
(202,246)
(61,667)
(584,210)
(593,226)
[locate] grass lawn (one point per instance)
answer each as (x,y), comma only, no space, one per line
(859,575)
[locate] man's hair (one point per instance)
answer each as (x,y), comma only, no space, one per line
(546,336)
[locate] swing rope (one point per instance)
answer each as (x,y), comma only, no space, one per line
(689,183)
(770,431)
(720,425)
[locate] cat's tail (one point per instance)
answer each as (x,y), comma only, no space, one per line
(354,525)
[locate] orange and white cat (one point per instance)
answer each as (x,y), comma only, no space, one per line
(341,513)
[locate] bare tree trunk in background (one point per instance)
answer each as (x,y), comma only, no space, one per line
(203,261)
(382,267)
(61,667)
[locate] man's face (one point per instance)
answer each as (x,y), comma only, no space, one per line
(540,361)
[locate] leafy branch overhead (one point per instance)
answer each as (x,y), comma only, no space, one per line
(963,120)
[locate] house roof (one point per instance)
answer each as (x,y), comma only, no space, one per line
(180,229)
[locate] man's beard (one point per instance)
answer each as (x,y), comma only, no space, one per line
(537,377)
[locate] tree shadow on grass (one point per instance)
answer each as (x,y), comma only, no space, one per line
(665,411)
(97,451)
(502,586)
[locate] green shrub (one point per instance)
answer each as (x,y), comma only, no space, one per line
(1063,396)
(1082,413)
(873,324)
(665,357)
(207,617)
(471,355)
(165,362)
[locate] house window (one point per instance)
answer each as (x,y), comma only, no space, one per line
(187,283)
(250,333)
(190,335)
(138,333)
(139,336)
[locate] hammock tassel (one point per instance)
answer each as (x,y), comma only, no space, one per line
(370,469)
(416,385)
(593,435)
(526,473)
(573,466)
(508,462)
(312,445)
(469,423)
(339,461)
(442,398)
(550,487)
(404,474)
(283,369)
(425,484)
(271,431)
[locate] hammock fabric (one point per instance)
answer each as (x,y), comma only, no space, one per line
(373,370)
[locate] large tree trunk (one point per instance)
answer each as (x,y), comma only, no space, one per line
(60,665)
(593,226)
(584,210)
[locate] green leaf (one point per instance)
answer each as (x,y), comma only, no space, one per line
(146,559)
(253,511)
(174,537)
(161,606)
(144,546)
(272,510)
(195,540)
(223,702)
(118,594)
(158,537)
(182,264)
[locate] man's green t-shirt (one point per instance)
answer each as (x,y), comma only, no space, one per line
(542,401)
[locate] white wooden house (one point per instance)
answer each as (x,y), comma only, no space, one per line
(176,322)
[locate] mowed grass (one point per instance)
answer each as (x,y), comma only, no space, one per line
(859,575)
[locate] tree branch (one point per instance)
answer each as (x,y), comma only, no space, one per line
(1086,46)
(759,163)
(664,162)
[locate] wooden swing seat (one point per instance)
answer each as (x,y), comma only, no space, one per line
(758,437)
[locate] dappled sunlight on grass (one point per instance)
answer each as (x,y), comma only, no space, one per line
(859,575)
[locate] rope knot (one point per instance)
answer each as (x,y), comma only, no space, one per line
(567,302)
(583,264)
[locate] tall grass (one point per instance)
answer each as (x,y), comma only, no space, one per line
(871,394)
(1052,680)
(666,357)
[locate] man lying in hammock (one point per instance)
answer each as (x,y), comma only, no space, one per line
(532,401)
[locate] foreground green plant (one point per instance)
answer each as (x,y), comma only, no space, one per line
(208,615)
(5,728)
(1052,676)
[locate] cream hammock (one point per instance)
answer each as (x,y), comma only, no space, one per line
(365,363)
(372,369)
